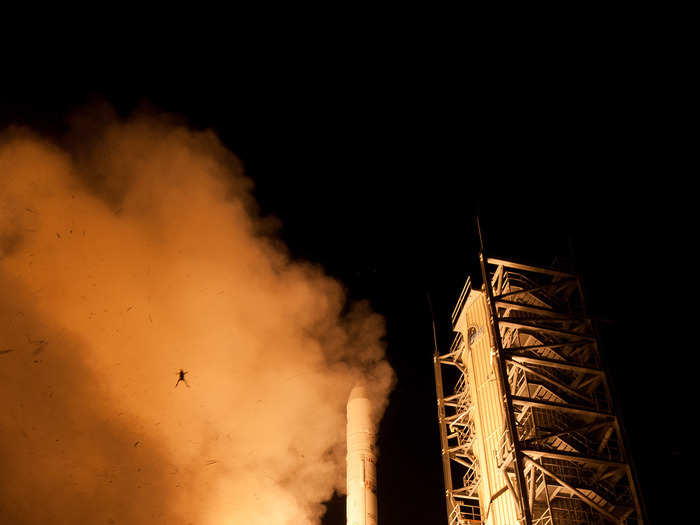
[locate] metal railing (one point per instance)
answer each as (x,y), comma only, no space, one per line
(460,301)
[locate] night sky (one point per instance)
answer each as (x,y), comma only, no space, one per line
(377,172)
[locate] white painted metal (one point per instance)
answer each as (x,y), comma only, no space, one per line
(361,460)
(498,506)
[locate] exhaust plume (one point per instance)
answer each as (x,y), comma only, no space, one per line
(124,258)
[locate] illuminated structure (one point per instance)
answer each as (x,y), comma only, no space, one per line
(361,460)
(528,428)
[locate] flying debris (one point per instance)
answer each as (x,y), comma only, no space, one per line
(41,343)
(181,377)
(216,289)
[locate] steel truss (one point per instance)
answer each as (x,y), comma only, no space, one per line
(562,446)
(454,416)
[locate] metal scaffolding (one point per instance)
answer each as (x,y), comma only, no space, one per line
(456,434)
(561,448)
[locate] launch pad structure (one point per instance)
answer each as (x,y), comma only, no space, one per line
(528,428)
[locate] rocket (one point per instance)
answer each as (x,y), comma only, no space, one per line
(361,460)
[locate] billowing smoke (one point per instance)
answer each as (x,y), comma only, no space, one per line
(124,258)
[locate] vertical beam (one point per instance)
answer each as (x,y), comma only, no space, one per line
(447,471)
(629,470)
(533,488)
(502,375)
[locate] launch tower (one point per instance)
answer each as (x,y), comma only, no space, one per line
(529,431)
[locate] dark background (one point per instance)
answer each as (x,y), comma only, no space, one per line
(377,165)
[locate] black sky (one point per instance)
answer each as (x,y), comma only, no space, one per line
(377,168)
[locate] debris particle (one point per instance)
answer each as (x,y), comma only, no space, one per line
(41,344)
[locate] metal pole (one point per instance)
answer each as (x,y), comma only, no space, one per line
(447,472)
(502,375)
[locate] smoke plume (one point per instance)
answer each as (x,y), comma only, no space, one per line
(126,256)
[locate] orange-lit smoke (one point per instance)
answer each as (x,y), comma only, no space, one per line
(123,259)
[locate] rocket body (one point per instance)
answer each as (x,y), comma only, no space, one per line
(361,461)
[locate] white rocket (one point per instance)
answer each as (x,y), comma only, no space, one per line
(361,461)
